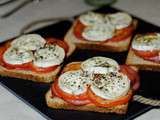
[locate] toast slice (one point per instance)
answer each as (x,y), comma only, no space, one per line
(45,77)
(58,103)
(140,63)
(105,46)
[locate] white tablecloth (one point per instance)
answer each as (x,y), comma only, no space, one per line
(11,108)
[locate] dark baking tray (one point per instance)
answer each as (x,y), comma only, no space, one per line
(33,93)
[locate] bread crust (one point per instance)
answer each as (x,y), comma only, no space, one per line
(140,63)
(30,75)
(105,46)
(58,103)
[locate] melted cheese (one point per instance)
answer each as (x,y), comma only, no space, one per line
(91,18)
(120,19)
(73,82)
(99,32)
(99,65)
(29,42)
(147,42)
(111,85)
(14,56)
(50,55)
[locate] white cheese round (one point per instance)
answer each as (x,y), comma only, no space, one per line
(73,82)
(29,42)
(148,42)
(99,65)
(14,56)
(120,19)
(111,85)
(91,18)
(50,55)
(98,32)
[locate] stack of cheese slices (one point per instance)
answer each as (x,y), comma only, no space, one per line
(98,84)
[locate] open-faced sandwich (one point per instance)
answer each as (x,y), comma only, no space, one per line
(145,52)
(98,84)
(104,32)
(33,58)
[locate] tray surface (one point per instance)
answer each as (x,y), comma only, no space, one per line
(33,93)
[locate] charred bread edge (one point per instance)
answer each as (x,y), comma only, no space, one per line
(140,63)
(108,46)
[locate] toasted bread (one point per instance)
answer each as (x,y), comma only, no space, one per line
(58,103)
(105,46)
(140,63)
(45,77)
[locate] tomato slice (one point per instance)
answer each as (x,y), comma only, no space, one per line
(67,96)
(73,66)
(120,35)
(73,102)
(98,101)
(145,54)
(58,42)
(132,75)
(78,29)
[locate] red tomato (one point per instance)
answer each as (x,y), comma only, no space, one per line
(67,96)
(74,102)
(98,101)
(120,35)
(145,54)
(132,75)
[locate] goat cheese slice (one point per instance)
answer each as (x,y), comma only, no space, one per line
(48,56)
(110,86)
(73,82)
(99,65)
(14,56)
(120,19)
(29,42)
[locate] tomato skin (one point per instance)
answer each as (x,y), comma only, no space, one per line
(98,101)
(67,96)
(120,35)
(132,75)
(145,54)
